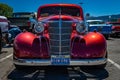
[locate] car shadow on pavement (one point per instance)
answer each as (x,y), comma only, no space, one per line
(95,73)
(57,73)
(3,52)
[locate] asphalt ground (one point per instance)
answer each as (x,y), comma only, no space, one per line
(111,72)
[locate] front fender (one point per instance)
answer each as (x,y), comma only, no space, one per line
(27,45)
(92,45)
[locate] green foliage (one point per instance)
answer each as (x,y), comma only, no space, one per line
(6,10)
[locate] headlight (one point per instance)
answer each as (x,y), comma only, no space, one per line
(80,27)
(39,27)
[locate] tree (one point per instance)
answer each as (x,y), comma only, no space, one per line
(5,10)
(87,15)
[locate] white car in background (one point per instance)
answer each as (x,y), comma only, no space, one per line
(100,26)
(4,26)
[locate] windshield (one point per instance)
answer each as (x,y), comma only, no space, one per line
(96,22)
(48,11)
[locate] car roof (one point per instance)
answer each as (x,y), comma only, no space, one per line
(47,5)
(63,4)
(3,17)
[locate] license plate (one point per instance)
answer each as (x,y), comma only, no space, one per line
(60,59)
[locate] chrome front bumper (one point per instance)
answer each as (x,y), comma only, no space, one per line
(44,62)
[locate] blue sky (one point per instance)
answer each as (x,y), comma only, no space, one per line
(94,7)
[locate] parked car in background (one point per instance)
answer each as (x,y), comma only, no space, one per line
(12,33)
(100,26)
(115,28)
(4,25)
(24,20)
(61,40)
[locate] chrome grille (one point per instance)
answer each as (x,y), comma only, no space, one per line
(60,32)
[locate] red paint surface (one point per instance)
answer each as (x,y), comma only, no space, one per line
(92,45)
(27,45)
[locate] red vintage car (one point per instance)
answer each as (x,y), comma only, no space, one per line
(115,28)
(61,39)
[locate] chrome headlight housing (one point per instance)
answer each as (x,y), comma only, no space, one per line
(39,27)
(80,27)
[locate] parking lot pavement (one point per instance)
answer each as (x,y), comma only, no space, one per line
(111,72)
(5,61)
(114,49)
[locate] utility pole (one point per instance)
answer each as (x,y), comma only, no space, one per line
(81,3)
(109,17)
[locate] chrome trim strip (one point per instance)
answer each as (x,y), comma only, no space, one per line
(61,34)
(31,62)
(61,40)
(62,52)
(44,62)
(58,28)
(88,62)
(58,46)
(58,21)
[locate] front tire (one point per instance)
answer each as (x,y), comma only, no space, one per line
(19,67)
(102,66)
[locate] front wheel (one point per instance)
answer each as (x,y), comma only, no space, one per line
(102,66)
(22,67)
(18,67)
